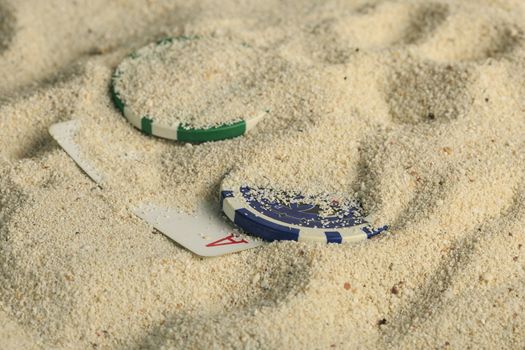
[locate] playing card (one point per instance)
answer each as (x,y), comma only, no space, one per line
(64,134)
(205,233)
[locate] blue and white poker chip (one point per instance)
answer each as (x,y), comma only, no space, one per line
(272,220)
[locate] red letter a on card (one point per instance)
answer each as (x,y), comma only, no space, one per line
(226,241)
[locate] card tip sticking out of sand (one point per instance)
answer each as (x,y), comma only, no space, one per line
(64,134)
(213,236)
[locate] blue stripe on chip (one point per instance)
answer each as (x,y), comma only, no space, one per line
(333,237)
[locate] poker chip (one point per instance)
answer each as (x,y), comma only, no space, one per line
(190,89)
(281,216)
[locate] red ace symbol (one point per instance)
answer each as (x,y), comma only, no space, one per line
(226,241)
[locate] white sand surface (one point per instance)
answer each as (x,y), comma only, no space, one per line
(415,107)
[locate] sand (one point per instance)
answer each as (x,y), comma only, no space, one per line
(414,107)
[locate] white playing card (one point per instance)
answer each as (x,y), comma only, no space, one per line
(64,134)
(204,233)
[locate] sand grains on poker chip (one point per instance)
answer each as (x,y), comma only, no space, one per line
(277,215)
(192,89)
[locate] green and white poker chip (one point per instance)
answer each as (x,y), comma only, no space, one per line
(190,89)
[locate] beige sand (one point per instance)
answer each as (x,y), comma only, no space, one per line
(416,107)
